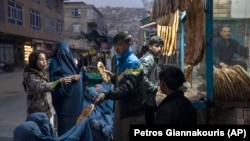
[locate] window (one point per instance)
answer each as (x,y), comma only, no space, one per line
(59,5)
(49,24)
(15,13)
(76,12)
(90,14)
(2,11)
(35,20)
(50,3)
(59,27)
(76,27)
(37,1)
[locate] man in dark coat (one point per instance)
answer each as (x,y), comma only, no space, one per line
(151,72)
(225,48)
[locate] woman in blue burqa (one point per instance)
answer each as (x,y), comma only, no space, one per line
(67,100)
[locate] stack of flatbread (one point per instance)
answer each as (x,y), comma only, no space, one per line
(231,84)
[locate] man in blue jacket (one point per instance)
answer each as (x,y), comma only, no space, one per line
(129,100)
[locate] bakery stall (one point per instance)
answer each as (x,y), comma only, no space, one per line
(100,51)
(221,95)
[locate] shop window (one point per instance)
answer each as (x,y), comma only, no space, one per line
(27,51)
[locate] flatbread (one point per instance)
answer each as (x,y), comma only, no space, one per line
(85,113)
(102,71)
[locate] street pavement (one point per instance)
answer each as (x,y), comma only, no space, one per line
(12,103)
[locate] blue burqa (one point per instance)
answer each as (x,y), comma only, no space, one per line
(68,99)
(97,127)
(37,128)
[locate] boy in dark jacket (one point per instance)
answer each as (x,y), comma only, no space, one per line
(175,109)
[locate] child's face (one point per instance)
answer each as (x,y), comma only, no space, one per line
(41,61)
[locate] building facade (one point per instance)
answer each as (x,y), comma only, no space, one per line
(81,19)
(28,25)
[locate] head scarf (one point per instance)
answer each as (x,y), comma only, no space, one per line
(67,99)
(64,59)
(29,131)
(42,120)
(32,67)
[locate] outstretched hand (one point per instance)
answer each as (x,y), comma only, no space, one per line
(109,73)
(223,65)
(65,80)
(99,98)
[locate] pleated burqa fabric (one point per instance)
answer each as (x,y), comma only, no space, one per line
(68,99)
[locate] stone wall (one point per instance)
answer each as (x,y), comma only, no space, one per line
(224,115)
(222,8)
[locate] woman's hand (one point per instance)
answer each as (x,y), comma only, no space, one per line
(75,77)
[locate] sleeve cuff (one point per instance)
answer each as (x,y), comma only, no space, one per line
(55,84)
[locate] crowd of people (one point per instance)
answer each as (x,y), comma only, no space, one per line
(129,99)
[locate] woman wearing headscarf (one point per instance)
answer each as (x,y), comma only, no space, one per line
(68,99)
(38,87)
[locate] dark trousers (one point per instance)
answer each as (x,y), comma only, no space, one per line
(149,114)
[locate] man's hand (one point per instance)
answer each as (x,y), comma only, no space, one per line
(99,98)
(83,68)
(109,73)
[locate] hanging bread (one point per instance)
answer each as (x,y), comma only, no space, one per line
(194,50)
(169,35)
(174,5)
(184,5)
(187,73)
